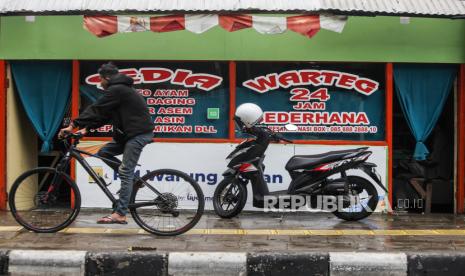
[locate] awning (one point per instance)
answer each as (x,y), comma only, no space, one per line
(424,8)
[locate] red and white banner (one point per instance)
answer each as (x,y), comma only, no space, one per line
(306,25)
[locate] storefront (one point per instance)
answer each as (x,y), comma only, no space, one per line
(192,104)
(338,85)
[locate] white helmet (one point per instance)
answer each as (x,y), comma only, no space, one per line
(249,114)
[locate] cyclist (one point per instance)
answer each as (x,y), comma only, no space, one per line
(127,111)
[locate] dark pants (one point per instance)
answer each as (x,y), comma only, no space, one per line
(131,151)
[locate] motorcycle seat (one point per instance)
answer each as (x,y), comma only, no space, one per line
(308,161)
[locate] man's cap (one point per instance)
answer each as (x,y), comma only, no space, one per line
(108,70)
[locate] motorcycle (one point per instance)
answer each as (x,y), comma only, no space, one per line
(312,179)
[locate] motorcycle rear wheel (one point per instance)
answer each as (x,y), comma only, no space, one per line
(353,213)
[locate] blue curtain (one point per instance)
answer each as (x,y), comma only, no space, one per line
(44,88)
(422,91)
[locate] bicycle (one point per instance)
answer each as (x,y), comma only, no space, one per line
(36,197)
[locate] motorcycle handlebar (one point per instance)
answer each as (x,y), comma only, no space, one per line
(286,140)
(274,135)
(278,137)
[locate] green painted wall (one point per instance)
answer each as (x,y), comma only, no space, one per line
(364,39)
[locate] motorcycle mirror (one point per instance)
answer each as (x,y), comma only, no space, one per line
(291,127)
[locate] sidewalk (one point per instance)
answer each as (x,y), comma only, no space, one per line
(254,232)
(252,244)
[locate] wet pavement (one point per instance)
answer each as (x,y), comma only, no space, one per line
(254,232)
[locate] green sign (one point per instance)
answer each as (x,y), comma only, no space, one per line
(213,113)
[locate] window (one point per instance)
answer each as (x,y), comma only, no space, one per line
(186,99)
(326,101)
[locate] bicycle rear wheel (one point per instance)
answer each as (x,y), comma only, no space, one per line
(167,202)
(44,200)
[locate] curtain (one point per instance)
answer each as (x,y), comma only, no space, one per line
(422,91)
(44,88)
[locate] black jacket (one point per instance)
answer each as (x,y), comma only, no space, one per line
(120,106)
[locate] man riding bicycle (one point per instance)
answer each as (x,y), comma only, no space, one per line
(127,111)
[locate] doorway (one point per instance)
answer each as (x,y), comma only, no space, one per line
(439,164)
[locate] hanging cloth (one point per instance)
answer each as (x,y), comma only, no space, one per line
(44,88)
(422,91)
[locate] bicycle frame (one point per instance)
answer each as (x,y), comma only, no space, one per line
(73,152)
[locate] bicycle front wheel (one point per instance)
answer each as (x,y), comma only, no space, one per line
(166,202)
(44,200)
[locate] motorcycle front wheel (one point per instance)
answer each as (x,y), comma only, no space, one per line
(229,198)
(362,198)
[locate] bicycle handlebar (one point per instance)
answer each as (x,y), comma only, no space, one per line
(69,135)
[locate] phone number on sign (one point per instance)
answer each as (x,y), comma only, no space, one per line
(328,129)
